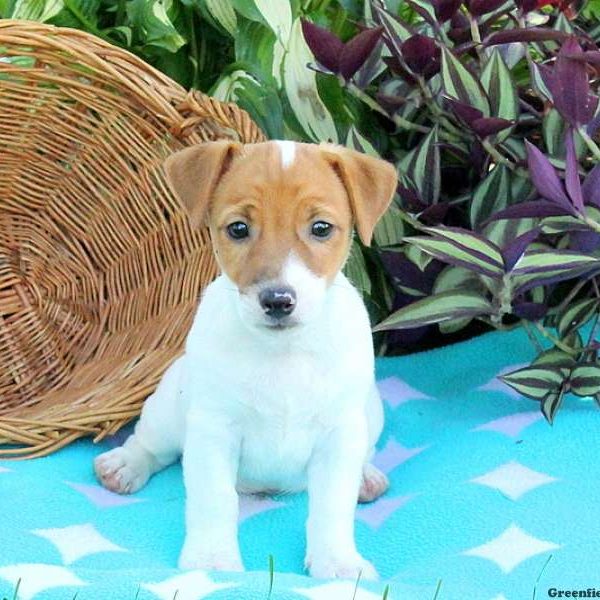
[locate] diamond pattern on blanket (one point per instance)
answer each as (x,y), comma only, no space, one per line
(395,391)
(77,541)
(511,425)
(376,513)
(35,578)
(482,492)
(193,585)
(513,479)
(511,548)
(394,454)
(102,497)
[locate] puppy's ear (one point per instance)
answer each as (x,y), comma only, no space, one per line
(195,172)
(370,184)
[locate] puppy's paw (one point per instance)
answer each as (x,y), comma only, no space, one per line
(341,567)
(374,484)
(210,560)
(121,471)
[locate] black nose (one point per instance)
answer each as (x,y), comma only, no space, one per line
(278,302)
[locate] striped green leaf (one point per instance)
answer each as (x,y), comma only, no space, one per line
(357,141)
(454,255)
(356,270)
(417,256)
(576,314)
(460,84)
(456,278)
(535,382)
(389,231)
(436,309)
(555,357)
(422,165)
(552,261)
(551,403)
(497,82)
(470,241)
(491,195)
(585,379)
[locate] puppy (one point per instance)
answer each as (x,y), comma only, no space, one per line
(275,391)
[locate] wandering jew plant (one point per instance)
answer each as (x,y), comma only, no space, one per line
(493,112)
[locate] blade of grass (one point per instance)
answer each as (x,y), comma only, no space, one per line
(540,576)
(271,574)
(356,585)
(437,589)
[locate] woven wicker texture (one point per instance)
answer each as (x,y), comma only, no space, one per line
(100,271)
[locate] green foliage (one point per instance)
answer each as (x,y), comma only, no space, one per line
(486,228)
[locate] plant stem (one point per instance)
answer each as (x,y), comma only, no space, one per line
(552,338)
(531,336)
(499,158)
(574,291)
(371,103)
(591,144)
(476,36)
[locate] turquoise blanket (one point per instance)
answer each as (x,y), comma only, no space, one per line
(486,500)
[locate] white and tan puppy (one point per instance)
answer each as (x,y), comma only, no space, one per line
(276,390)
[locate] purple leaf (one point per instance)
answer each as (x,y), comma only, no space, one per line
(357,50)
(553,279)
(326,47)
(465,112)
(530,311)
(418,51)
(460,29)
(489,126)
(446,9)
(513,252)
(589,56)
(593,125)
(531,34)
(482,7)
(584,241)
(572,182)
(434,214)
(570,86)
(545,179)
(423,12)
(591,187)
(526,5)
(524,210)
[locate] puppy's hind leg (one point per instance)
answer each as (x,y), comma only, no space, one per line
(155,443)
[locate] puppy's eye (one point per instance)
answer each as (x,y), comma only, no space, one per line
(238,230)
(321,229)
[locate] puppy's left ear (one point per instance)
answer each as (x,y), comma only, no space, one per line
(370,184)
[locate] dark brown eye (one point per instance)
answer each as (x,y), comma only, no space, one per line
(238,230)
(321,229)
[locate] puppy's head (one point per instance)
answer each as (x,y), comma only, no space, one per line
(281,216)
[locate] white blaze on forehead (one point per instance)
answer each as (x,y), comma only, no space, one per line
(296,274)
(288,152)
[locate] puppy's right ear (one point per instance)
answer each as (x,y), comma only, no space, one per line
(195,172)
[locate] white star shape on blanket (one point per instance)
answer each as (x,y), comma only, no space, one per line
(395,391)
(337,590)
(513,479)
(35,578)
(511,548)
(4,469)
(76,541)
(193,585)
(254,505)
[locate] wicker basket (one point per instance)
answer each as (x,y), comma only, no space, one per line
(99,269)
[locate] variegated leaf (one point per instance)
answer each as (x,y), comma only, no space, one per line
(437,308)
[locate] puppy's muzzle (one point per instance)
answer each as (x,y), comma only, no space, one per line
(278,302)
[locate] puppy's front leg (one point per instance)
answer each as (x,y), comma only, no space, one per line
(334,476)
(210,464)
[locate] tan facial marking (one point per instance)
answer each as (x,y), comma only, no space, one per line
(225,182)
